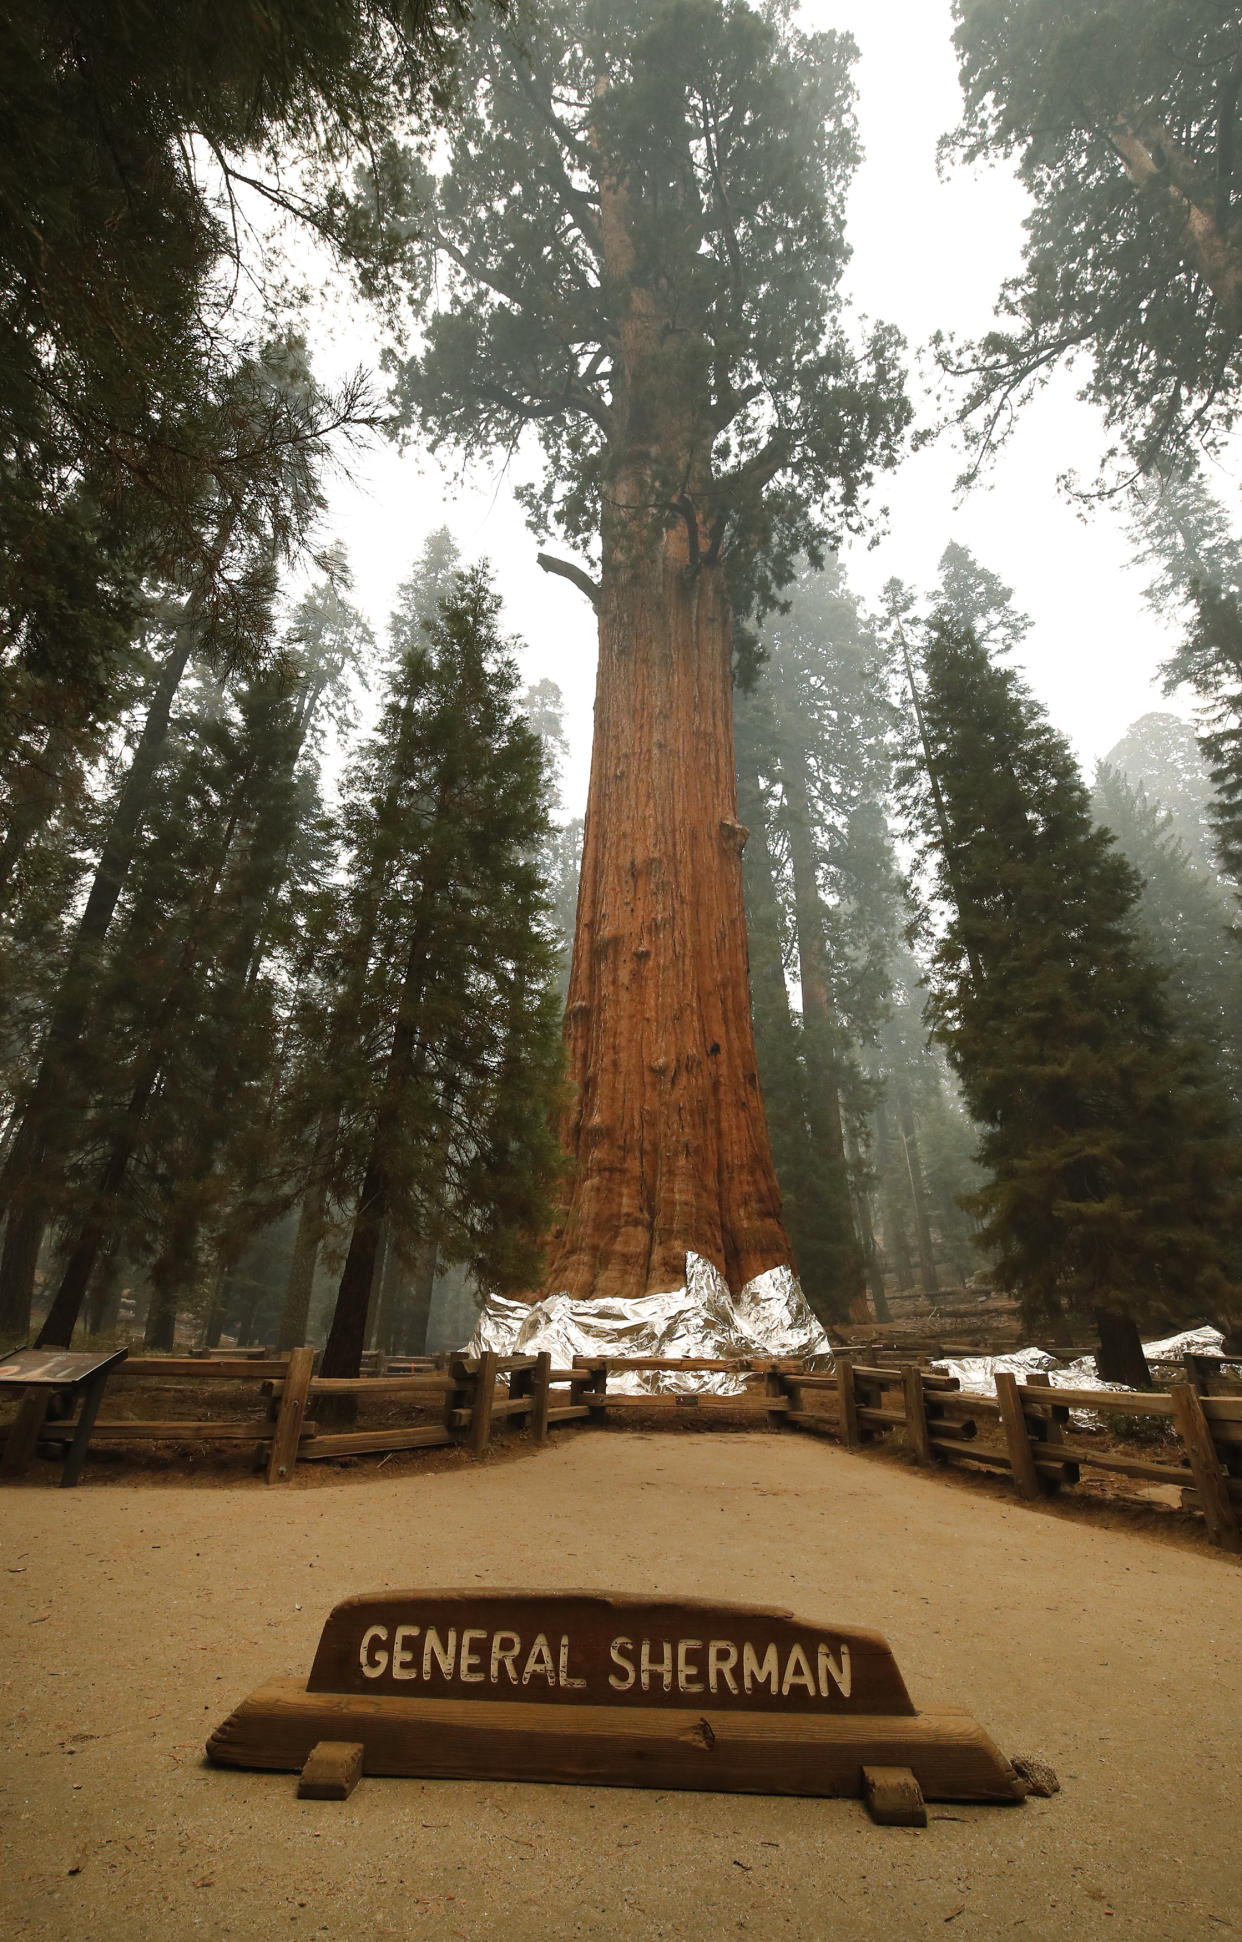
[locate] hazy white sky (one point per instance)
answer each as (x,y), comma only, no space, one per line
(927,254)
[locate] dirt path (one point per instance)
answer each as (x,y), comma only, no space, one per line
(132,1620)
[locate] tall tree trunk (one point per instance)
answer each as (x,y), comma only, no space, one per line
(928,1279)
(667,1128)
(103,1302)
(819,1022)
(417,1316)
(37,1155)
(312,1224)
(96,1224)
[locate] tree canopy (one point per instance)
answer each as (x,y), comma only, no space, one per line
(1123,119)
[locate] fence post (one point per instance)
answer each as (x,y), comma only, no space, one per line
(484,1399)
(1017,1436)
(916,1411)
(541,1397)
(520,1387)
(1214,1499)
(1054,1429)
(291,1415)
(774,1385)
(850,1434)
(597,1409)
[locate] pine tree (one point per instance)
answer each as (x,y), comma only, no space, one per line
(446,1089)
(1122,117)
(1184,531)
(1159,757)
(221,615)
(1110,1182)
(1183,915)
(185,1036)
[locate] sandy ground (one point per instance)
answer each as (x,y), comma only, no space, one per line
(133,1619)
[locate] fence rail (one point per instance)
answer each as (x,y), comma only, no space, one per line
(1024,1431)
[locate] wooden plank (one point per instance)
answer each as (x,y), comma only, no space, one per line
(483,1403)
(176,1431)
(1222,1409)
(736,1364)
(332,1771)
(916,1412)
(204,1368)
(743,1405)
(990,1459)
(369,1442)
(880,1419)
(430,1388)
(571,1414)
(1017,1438)
(1115,1401)
(574,1377)
(1205,1462)
(847,1402)
(892,1378)
(1132,1467)
(953,1408)
(893,1797)
(291,1417)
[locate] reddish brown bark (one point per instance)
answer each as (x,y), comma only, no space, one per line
(667,1129)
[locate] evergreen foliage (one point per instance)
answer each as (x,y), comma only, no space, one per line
(1123,118)
(1110,1179)
(1184,915)
(1184,532)
(1159,757)
(440,962)
(732,135)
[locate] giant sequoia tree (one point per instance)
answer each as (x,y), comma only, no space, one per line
(636,243)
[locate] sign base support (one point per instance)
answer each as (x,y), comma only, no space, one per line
(947,1755)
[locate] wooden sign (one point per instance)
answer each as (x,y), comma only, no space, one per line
(614,1691)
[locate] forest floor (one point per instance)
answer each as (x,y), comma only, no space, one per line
(133,1619)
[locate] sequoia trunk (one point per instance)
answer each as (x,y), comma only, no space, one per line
(667,1128)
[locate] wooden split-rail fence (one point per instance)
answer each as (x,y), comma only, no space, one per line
(1024,1431)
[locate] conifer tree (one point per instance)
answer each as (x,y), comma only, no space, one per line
(185,1017)
(1183,530)
(1110,1181)
(1184,914)
(1159,757)
(637,244)
(1122,117)
(446,1088)
(221,617)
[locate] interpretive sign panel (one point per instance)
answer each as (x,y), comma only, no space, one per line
(612,1690)
(56,1368)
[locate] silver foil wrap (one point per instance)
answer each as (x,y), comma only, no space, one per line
(977,1373)
(701,1320)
